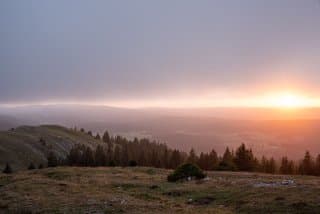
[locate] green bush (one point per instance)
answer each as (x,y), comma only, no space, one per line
(185,171)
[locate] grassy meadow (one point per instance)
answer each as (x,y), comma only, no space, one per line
(145,190)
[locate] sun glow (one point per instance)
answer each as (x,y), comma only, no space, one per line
(289,100)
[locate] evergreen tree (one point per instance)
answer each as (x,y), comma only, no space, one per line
(165,158)
(7,169)
(52,160)
(244,159)
(100,156)
(98,137)
(213,160)
(202,161)
(287,167)
(317,165)
(142,159)
(271,166)
(117,155)
(106,137)
(192,157)
(88,157)
(124,155)
(175,160)
(307,166)
(227,161)
(31,166)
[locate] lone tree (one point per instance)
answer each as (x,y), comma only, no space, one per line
(31,166)
(185,171)
(7,169)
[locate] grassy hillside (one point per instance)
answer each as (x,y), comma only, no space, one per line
(145,190)
(22,145)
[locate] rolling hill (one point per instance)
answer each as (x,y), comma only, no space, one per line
(27,144)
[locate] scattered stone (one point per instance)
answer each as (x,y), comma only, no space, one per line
(123,202)
(207,179)
(91,202)
(287,182)
(201,201)
(175,193)
(275,184)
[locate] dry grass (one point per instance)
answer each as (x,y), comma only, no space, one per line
(145,190)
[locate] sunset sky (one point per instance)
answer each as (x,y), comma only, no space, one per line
(168,53)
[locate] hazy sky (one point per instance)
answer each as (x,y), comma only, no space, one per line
(157,52)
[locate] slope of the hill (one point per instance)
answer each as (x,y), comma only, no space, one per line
(145,190)
(23,145)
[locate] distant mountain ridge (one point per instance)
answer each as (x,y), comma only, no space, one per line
(26,144)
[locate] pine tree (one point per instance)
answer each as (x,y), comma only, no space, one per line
(124,155)
(117,155)
(106,137)
(175,160)
(74,156)
(165,158)
(192,157)
(88,157)
(244,159)
(52,160)
(287,167)
(307,165)
(202,161)
(98,137)
(7,169)
(100,156)
(271,166)
(317,165)
(31,166)
(227,161)
(213,160)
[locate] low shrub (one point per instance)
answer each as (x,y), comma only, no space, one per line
(185,171)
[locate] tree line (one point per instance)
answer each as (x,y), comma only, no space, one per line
(119,151)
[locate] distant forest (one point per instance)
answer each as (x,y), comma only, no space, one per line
(119,151)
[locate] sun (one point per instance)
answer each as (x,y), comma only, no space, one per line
(289,100)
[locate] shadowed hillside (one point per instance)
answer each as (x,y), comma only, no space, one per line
(27,144)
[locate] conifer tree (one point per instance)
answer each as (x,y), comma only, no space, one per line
(7,169)
(98,137)
(100,156)
(31,166)
(192,157)
(52,160)
(106,137)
